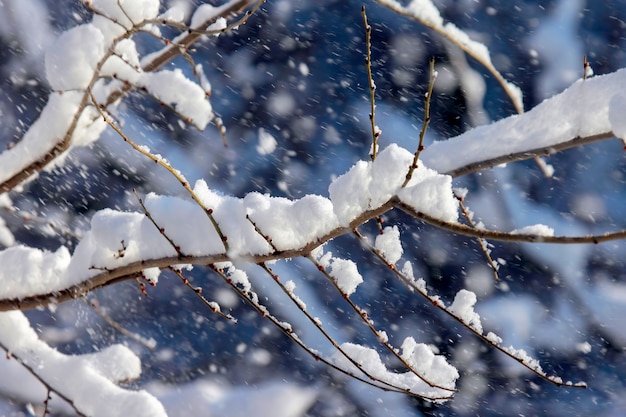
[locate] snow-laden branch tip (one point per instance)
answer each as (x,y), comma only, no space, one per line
(588,111)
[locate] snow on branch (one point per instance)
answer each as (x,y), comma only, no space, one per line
(77,379)
(577,116)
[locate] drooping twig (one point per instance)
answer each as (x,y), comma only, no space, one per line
(490,338)
(286,328)
(211,305)
(368,322)
(95,305)
(481,242)
(159,160)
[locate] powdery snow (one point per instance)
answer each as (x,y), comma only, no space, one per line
(71,47)
(343,271)
(184,95)
(535,229)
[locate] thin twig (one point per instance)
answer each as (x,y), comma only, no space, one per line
(488,339)
(159,160)
(372,85)
(149,343)
(481,242)
(367,321)
(211,305)
(49,387)
(427,101)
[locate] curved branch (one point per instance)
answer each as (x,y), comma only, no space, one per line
(528,154)
(464,230)
(130,271)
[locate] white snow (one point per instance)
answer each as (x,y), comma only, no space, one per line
(176,90)
(463,307)
(427,13)
(122,10)
(205,397)
(82,376)
(84,56)
(389,244)
(344,272)
(617,115)
(267,143)
(536,229)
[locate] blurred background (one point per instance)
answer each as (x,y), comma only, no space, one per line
(296,70)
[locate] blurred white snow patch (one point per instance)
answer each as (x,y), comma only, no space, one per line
(463,307)
(27,22)
(389,244)
(535,229)
(559,46)
(218,399)
(119,11)
(71,61)
(617,115)
(607,302)
(583,347)
(304,69)
(331,135)
(424,10)
(588,206)
(267,143)
(479,279)
(281,104)
(205,13)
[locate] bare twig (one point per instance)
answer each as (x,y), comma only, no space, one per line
(174,172)
(481,242)
(367,321)
(427,101)
(372,85)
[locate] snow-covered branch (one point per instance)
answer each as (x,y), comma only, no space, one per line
(225,234)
